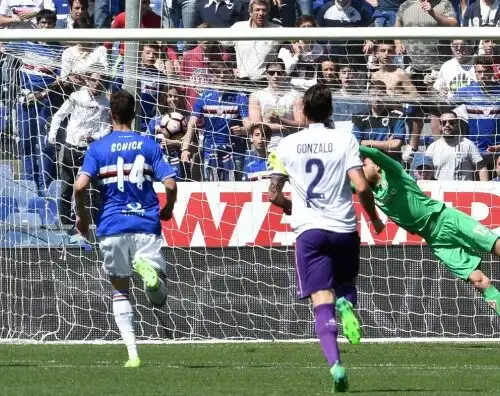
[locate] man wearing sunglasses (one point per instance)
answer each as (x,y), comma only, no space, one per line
(454,156)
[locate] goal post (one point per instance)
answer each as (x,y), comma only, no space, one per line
(230,253)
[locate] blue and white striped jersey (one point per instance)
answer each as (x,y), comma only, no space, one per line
(126,164)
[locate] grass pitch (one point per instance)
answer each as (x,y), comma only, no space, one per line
(249,369)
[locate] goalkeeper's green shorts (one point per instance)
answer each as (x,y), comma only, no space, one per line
(455,240)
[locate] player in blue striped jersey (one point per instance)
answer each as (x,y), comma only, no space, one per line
(128,226)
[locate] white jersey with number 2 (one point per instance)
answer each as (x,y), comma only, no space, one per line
(316,161)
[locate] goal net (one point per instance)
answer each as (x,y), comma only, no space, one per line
(230,253)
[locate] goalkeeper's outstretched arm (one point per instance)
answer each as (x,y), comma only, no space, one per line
(381,159)
(276,196)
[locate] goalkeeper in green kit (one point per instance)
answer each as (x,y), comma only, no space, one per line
(453,236)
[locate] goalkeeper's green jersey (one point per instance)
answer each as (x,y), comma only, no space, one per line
(400,197)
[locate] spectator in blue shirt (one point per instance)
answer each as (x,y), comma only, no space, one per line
(380,127)
(255,165)
(37,76)
(225,116)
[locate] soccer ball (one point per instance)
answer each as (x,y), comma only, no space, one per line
(173,125)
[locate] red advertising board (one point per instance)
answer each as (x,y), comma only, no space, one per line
(239,214)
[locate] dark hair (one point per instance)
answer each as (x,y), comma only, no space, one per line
(83,3)
(274,62)
(318,103)
(263,128)
(484,61)
(84,22)
(122,105)
(181,92)
(48,15)
(306,18)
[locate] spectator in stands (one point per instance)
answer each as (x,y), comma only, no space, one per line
(252,55)
(482,13)
(397,81)
(301,58)
(194,66)
(347,99)
(77,59)
(455,157)
(426,56)
(37,78)
(422,167)
(491,48)
(497,169)
(21,14)
(457,72)
(179,13)
(87,111)
(328,72)
(219,13)
(78,8)
(150,82)
(173,99)
(105,10)
(479,101)
(276,105)
(381,127)
(385,12)
(255,165)
(344,13)
(226,122)
(149,20)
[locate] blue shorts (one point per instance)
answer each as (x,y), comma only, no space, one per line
(325,260)
(218,163)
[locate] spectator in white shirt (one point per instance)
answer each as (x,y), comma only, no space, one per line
(454,156)
(275,106)
(77,59)
(457,72)
(252,55)
(88,112)
(20,14)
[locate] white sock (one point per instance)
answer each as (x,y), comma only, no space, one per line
(124,318)
(158,295)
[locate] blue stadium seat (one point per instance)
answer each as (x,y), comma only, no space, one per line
(54,190)
(8,205)
(46,208)
(17,238)
(6,174)
(22,190)
(31,220)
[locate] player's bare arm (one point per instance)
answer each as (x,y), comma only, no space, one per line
(171,192)
(365,195)
(276,196)
(188,138)
(82,218)
(386,145)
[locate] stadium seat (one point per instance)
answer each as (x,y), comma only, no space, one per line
(54,190)
(8,206)
(46,208)
(22,190)
(32,220)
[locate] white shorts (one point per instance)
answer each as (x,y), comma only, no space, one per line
(120,250)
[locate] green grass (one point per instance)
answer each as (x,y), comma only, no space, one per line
(248,369)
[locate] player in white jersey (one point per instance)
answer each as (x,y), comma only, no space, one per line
(320,164)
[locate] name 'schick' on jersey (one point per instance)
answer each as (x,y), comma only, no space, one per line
(315,148)
(126,146)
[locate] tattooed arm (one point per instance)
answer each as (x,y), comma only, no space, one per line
(276,194)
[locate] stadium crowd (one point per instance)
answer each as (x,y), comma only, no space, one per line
(219,108)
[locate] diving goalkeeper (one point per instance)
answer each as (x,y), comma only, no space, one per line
(453,236)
